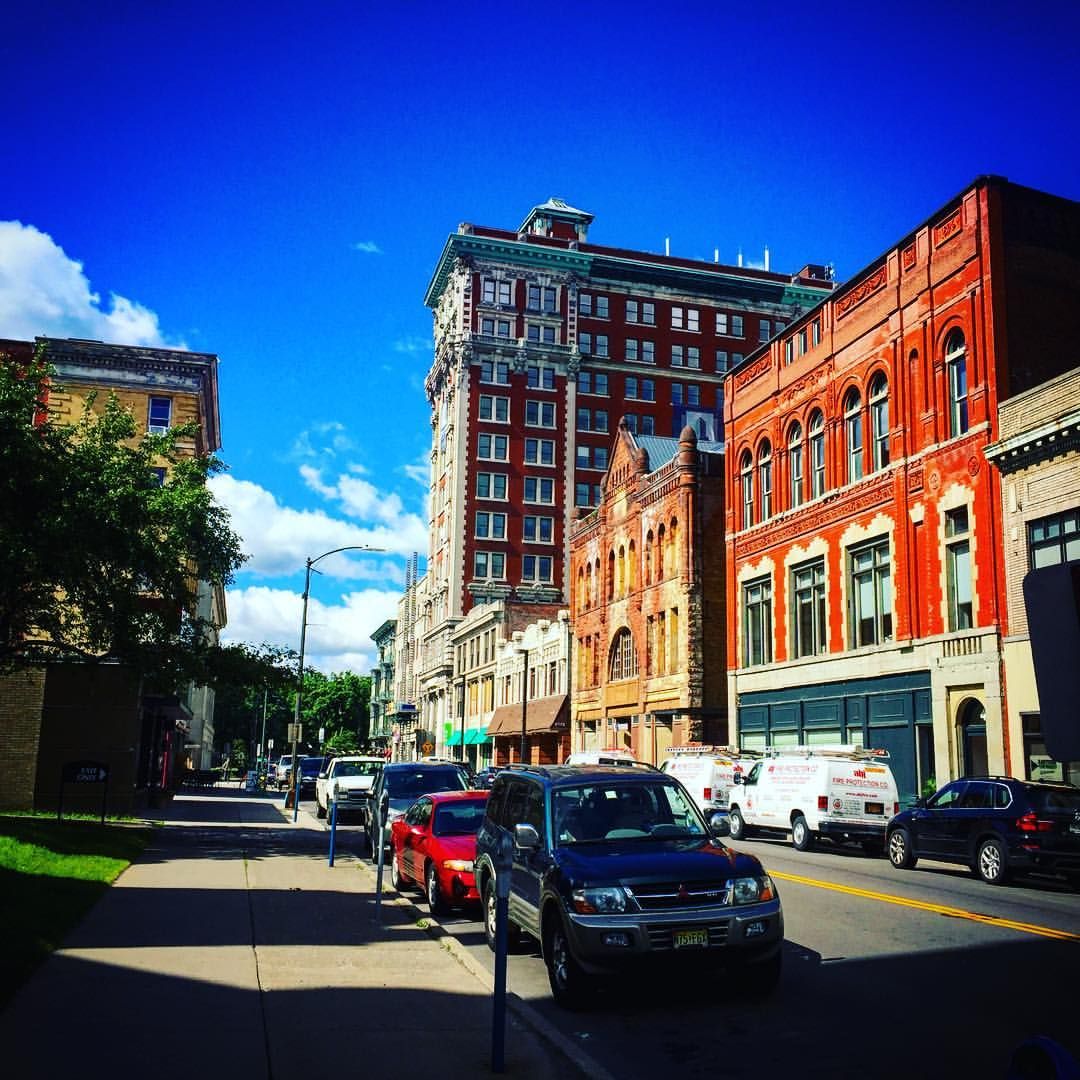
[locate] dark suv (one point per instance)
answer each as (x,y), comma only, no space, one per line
(614,867)
(995,825)
(404,782)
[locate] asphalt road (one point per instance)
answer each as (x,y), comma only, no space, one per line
(913,974)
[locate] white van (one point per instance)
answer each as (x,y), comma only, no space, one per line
(708,772)
(617,755)
(837,792)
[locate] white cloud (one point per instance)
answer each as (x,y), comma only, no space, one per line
(279,539)
(368,247)
(338,635)
(360,499)
(413,344)
(44,291)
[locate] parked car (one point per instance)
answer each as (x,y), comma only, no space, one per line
(612,756)
(308,773)
(838,792)
(996,825)
(434,845)
(486,777)
(616,868)
(348,780)
(403,782)
(282,770)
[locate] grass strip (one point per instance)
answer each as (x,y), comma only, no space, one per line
(51,874)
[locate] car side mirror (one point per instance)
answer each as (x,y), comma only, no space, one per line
(323,776)
(526,837)
(720,825)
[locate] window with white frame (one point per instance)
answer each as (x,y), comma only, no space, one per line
(536,568)
(601,307)
(494,408)
(693,319)
(492,447)
(159,415)
(693,356)
(678,321)
(540,489)
(648,352)
(632,350)
(870,594)
(795,466)
(721,360)
(765,480)
(815,332)
(789,351)
(584,382)
(1054,539)
(622,660)
(538,530)
(584,343)
(808,619)
(491,486)
(539,451)
(495,372)
(489,565)
(853,435)
(693,394)
(648,313)
(542,298)
(722,323)
(677,355)
(817,455)
(601,345)
(539,378)
(956,372)
(584,303)
(764,330)
(879,420)
(746,482)
(586,494)
(757,622)
(631,311)
(958,568)
(737,326)
(736,359)
(540,413)
(490,526)
(540,335)
(676,393)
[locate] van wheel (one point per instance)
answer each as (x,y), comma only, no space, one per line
(801,838)
(990,863)
(738,825)
(569,984)
(513,934)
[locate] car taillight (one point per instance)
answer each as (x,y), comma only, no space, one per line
(708,794)
(823,802)
(895,808)
(1030,823)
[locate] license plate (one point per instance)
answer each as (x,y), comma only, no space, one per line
(875,808)
(691,939)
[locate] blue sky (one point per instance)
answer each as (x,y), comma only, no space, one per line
(274,184)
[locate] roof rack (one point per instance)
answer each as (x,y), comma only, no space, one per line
(702,748)
(851,751)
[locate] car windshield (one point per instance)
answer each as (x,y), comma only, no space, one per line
(310,765)
(357,768)
(459,818)
(412,783)
(614,811)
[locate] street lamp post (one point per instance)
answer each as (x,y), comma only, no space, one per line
(524,700)
(300,680)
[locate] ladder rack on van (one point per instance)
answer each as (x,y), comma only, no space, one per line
(851,751)
(727,751)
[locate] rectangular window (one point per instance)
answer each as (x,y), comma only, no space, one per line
(757,622)
(600,457)
(631,387)
(584,456)
(648,313)
(492,447)
(498,372)
(494,408)
(631,422)
(802,341)
(160,415)
(540,489)
(808,622)
(789,351)
(764,330)
(584,420)
(693,319)
(601,307)
(1053,540)
(631,349)
(736,359)
(540,378)
(648,390)
(502,328)
(487,326)
(722,323)
(532,297)
(648,352)
(584,382)
(677,321)
(540,413)
(676,356)
(539,451)
(870,594)
(505,292)
(491,485)
(721,360)
(581,494)
(693,394)
(489,565)
(490,525)
(538,530)
(540,335)
(693,356)
(601,384)
(585,343)
(600,420)
(487,291)
(536,568)
(550,298)
(815,332)
(648,425)
(737,326)
(958,568)
(601,345)
(676,393)
(631,311)
(585,303)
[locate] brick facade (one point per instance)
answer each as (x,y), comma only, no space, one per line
(22,695)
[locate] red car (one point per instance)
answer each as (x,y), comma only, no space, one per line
(434,845)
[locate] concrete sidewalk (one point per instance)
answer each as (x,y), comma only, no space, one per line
(232,949)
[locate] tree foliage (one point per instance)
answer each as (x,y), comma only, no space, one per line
(337,703)
(99,557)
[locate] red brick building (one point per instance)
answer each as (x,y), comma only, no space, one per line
(864,525)
(647,600)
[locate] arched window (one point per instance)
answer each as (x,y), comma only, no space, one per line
(673,549)
(795,465)
(595,592)
(702,428)
(817,455)
(765,480)
(611,575)
(956,372)
(621,592)
(649,558)
(853,436)
(746,477)
(879,420)
(622,661)
(581,595)
(661,540)
(632,567)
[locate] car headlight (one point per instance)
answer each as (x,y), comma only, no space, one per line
(752,890)
(608,900)
(462,866)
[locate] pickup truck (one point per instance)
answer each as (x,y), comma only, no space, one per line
(349,780)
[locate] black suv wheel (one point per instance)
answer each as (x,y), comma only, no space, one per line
(490,902)
(569,984)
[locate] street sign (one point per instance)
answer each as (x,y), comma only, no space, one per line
(295,732)
(85,772)
(269,744)
(428,747)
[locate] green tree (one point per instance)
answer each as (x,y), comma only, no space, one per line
(99,556)
(337,703)
(343,742)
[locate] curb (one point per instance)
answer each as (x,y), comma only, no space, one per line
(584,1065)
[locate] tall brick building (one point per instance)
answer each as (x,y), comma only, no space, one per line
(864,525)
(647,598)
(542,342)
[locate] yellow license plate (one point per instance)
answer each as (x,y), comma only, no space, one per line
(691,939)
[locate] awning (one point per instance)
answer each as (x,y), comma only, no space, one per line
(454,738)
(542,714)
(476,736)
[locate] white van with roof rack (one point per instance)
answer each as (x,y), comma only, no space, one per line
(615,755)
(708,772)
(841,793)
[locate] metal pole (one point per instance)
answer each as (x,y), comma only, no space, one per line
(462,711)
(262,738)
(333,828)
(524,700)
(299,695)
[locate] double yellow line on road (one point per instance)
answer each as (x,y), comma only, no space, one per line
(922,905)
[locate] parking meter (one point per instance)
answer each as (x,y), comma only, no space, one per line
(503,861)
(382,811)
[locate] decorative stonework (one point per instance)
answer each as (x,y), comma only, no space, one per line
(973,466)
(807,385)
(907,257)
(861,291)
(948,229)
(915,478)
(934,481)
(756,369)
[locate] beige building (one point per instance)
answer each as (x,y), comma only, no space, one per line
(1038,456)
